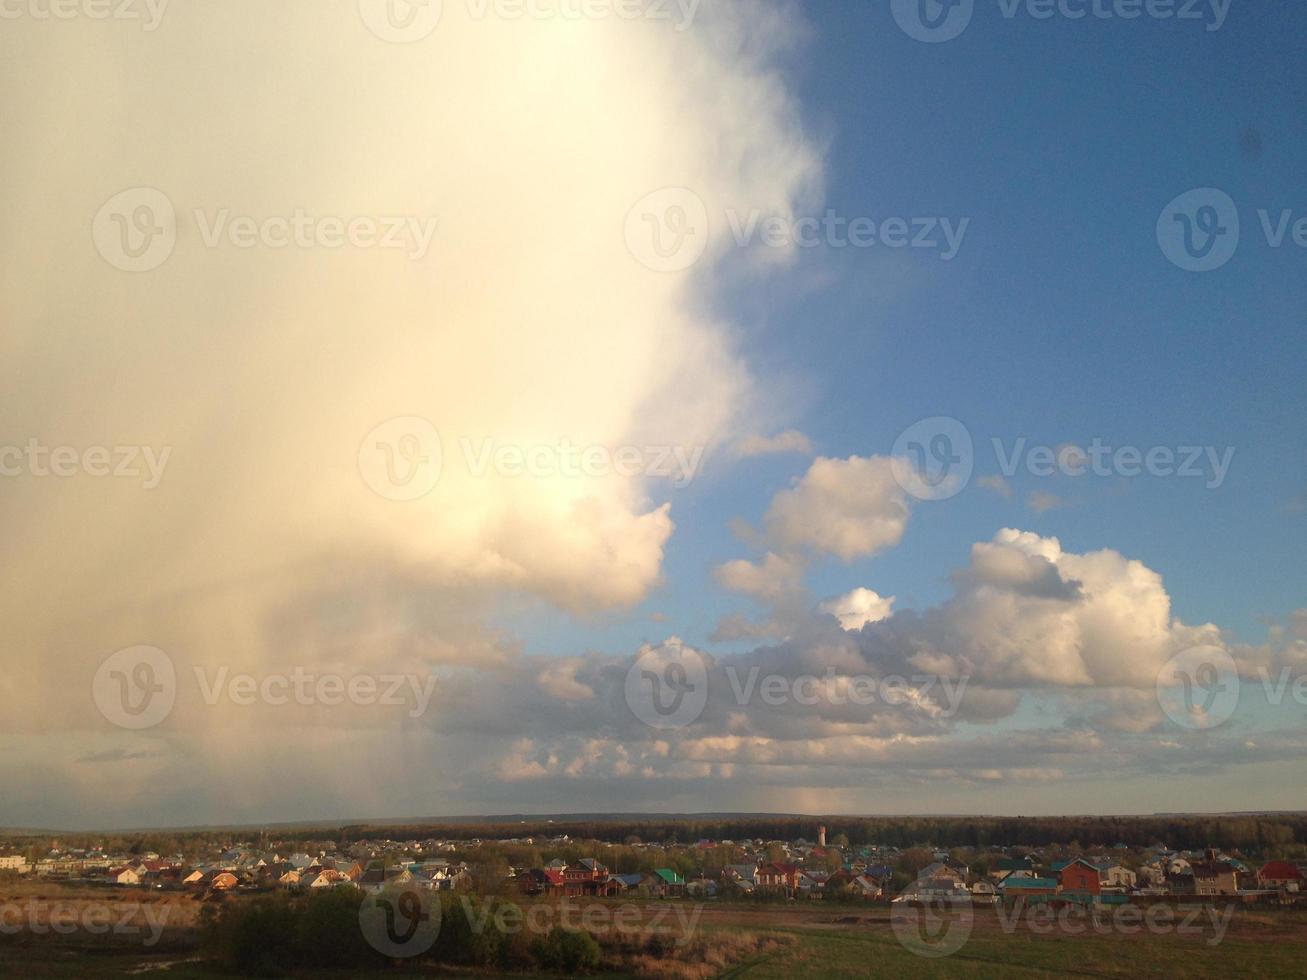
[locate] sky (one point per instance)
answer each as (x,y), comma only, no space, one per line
(480,407)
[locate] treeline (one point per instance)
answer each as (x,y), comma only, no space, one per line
(1252,833)
(1255,833)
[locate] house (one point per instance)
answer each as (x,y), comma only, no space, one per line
(934,890)
(1022,886)
(944,869)
(664,883)
(329,878)
(1007,866)
(778,875)
(812,882)
(125,876)
(868,887)
(701,887)
(451,878)
(742,876)
(409,877)
(223,881)
(541,881)
(589,877)
(1081,877)
(1280,874)
(846,883)
(620,884)
(1215,878)
(1117,876)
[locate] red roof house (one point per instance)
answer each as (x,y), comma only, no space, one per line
(1081,877)
(1279,874)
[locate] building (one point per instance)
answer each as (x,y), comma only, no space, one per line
(1007,866)
(935,890)
(1081,877)
(541,881)
(1028,888)
(742,876)
(589,877)
(1215,878)
(664,883)
(944,869)
(852,885)
(778,875)
(1280,874)
(1118,876)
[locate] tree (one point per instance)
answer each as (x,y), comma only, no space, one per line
(568,950)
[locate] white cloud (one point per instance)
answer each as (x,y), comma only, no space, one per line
(770,580)
(559,681)
(859,607)
(1029,612)
(851,508)
(528,322)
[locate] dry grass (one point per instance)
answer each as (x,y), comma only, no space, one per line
(659,956)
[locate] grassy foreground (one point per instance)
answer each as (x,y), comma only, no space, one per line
(817,941)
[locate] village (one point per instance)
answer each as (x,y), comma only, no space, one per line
(751,870)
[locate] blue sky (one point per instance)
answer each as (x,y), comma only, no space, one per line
(1060,320)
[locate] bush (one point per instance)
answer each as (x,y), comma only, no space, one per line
(568,950)
(471,933)
(255,939)
(266,937)
(328,932)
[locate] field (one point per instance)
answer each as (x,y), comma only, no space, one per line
(804,939)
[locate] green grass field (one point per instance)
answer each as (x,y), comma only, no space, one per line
(851,954)
(819,941)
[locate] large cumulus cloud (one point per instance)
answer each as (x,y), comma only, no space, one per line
(528,322)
